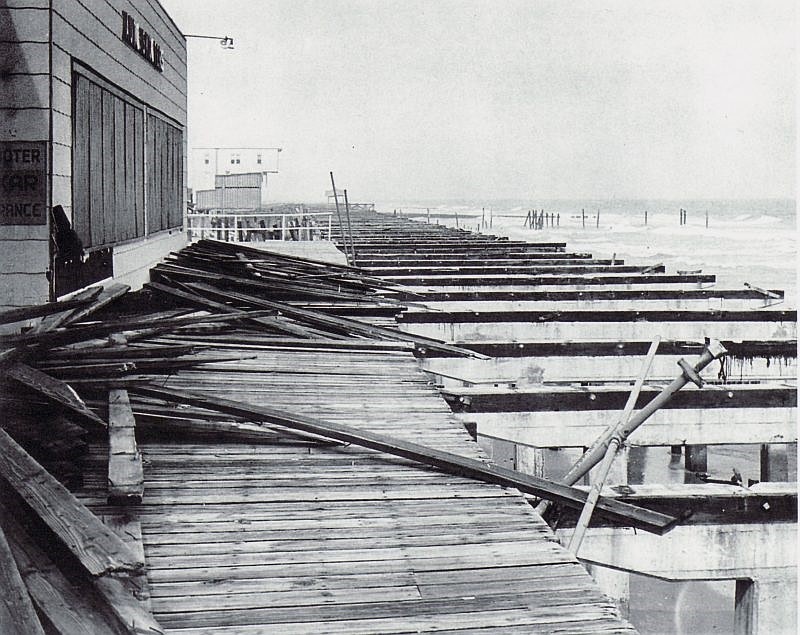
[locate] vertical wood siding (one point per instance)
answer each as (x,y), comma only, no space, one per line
(108,170)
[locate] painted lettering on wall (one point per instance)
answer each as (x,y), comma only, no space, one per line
(140,41)
(23,183)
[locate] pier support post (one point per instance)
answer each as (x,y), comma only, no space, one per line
(697,458)
(765,606)
(615,584)
(531,460)
(774,462)
(618,475)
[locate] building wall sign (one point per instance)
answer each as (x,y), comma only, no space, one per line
(140,41)
(23,183)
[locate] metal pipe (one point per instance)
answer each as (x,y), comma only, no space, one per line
(714,350)
(630,404)
(610,433)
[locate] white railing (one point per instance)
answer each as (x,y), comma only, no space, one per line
(245,226)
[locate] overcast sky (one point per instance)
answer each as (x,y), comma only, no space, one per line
(499,99)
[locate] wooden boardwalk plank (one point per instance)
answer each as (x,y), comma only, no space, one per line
(125,473)
(97,548)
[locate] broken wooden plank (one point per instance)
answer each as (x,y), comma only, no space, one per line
(57,319)
(106,297)
(17,614)
(66,608)
(96,547)
(40,310)
(330,321)
(628,515)
(764,292)
(54,389)
(63,337)
(197,300)
(128,595)
(125,472)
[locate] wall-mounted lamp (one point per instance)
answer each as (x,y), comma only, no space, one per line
(225,42)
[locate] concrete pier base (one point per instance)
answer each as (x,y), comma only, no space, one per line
(615,584)
(762,558)
(766,606)
(775,462)
(697,458)
(531,460)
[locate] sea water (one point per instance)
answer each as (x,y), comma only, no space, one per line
(752,241)
(739,241)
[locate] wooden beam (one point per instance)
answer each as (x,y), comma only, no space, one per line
(54,389)
(96,547)
(445,461)
(125,472)
(330,321)
(57,319)
(127,609)
(39,310)
(197,300)
(593,315)
(67,608)
(128,595)
(17,614)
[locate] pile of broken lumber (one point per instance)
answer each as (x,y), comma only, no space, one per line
(72,378)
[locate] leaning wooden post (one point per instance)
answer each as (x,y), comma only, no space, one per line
(349,228)
(339,216)
(594,494)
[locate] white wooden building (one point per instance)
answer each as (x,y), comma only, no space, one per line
(92,119)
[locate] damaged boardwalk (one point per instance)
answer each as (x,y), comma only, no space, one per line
(254,443)
(239,464)
(310,538)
